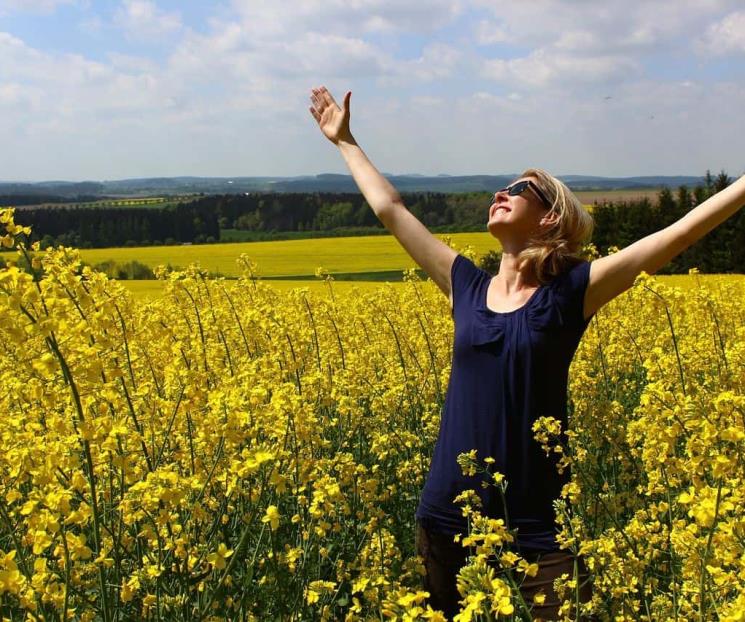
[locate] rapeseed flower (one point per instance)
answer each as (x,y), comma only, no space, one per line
(145,445)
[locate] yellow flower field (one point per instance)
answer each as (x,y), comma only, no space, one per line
(150,289)
(286,257)
(230,451)
(147,290)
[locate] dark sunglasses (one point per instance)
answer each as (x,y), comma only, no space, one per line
(521,186)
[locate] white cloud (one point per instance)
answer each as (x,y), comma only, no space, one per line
(488,33)
(142,19)
(19,60)
(267,18)
(230,96)
(437,62)
(631,27)
(421,101)
(132,64)
(726,36)
(244,69)
(543,69)
(578,40)
(36,6)
(70,93)
(23,98)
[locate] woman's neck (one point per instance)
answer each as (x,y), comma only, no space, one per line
(511,278)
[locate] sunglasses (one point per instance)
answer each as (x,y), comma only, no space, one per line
(521,186)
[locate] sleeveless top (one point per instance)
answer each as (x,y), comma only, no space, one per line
(508,369)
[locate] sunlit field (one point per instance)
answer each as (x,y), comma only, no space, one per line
(588,197)
(149,289)
(287,257)
(232,451)
(152,289)
(302,257)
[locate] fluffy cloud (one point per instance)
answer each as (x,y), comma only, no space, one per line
(457,86)
(34,6)
(267,18)
(142,19)
(726,36)
(603,27)
(582,41)
(541,69)
(69,91)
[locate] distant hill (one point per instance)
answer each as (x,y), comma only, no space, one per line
(316,183)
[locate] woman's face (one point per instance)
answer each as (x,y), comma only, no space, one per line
(516,215)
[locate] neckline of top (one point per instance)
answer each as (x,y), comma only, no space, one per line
(520,308)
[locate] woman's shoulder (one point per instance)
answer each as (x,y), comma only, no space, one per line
(567,290)
(574,269)
(465,267)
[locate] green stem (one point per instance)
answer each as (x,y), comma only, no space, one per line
(702,613)
(675,339)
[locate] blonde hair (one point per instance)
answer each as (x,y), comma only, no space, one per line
(557,248)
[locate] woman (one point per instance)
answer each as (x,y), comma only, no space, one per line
(515,336)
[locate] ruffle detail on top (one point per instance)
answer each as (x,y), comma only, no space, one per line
(542,312)
(486,327)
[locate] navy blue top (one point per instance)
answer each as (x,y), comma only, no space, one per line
(508,369)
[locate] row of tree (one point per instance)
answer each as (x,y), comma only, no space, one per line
(121,226)
(326,211)
(618,223)
(201,220)
(722,250)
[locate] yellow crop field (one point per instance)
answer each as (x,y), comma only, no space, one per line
(287,257)
(146,290)
(229,451)
(152,289)
(302,257)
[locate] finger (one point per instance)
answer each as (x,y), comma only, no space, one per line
(327,97)
(315,97)
(315,114)
(347,97)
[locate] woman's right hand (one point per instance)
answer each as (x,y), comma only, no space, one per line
(333,121)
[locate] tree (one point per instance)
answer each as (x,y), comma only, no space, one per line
(721,182)
(334,215)
(709,183)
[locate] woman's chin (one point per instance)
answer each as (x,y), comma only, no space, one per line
(494,228)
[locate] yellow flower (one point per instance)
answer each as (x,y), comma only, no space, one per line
(318,588)
(218,557)
(129,588)
(272,517)
(42,541)
(530,570)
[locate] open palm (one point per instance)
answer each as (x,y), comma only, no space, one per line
(333,120)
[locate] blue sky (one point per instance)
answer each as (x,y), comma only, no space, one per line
(138,88)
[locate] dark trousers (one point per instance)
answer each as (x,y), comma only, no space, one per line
(443,558)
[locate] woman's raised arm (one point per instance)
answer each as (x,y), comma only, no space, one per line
(434,256)
(614,274)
